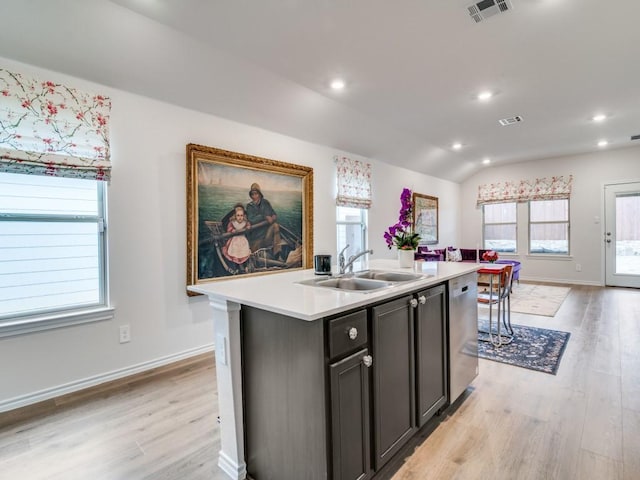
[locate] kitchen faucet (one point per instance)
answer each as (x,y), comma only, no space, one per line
(341,259)
(349,263)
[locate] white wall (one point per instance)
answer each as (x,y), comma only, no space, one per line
(590,173)
(388,182)
(147,242)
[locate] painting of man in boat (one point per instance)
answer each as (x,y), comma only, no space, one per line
(251,217)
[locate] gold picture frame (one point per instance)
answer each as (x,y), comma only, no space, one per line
(246,215)
(425,218)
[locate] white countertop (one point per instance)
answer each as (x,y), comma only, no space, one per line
(281,292)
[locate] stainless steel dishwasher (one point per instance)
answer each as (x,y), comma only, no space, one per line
(463,333)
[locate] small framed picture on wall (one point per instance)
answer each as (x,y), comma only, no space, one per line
(425,218)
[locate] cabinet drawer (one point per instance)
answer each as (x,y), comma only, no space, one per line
(347,333)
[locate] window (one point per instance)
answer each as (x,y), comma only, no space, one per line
(353,198)
(54,159)
(499,227)
(52,245)
(549,226)
(352,229)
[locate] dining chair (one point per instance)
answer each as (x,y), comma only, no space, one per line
(499,293)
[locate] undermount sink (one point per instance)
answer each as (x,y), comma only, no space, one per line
(365,281)
(389,276)
(348,283)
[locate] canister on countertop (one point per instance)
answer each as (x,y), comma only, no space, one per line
(322,264)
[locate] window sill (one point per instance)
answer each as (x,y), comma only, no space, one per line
(10,327)
(545,256)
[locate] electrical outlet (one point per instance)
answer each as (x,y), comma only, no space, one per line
(578,267)
(125,334)
(221,349)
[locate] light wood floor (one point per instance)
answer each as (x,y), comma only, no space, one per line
(582,424)
(161,428)
(514,424)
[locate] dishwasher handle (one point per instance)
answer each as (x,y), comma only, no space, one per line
(459,291)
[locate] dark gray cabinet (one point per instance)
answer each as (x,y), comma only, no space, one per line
(393,377)
(350,419)
(336,399)
(431,352)
(350,396)
(285,408)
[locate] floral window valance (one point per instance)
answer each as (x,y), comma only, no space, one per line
(354,183)
(552,188)
(50,129)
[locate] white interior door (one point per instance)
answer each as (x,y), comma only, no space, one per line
(622,234)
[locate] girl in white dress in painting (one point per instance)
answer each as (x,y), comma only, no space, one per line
(237,247)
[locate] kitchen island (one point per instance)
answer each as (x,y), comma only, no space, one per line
(280,343)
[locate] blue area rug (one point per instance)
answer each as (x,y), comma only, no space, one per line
(533,348)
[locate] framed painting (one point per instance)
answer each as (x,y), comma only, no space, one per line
(246,215)
(425,218)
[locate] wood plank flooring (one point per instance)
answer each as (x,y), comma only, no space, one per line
(582,424)
(162,427)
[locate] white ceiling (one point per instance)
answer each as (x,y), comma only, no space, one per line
(412,69)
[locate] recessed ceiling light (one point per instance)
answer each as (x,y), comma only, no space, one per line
(486,161)
(603,143)
(484,96)
(601,117)
(456,146)
(337,84)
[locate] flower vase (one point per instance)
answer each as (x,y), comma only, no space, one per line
(405,258)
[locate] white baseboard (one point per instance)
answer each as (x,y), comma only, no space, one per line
(562,280)
(231,468)
(31,398)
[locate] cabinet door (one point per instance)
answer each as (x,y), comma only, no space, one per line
(350,418)
(431,353)
(393,377)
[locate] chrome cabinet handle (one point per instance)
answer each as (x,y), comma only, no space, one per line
(367,360)
(422,299)
(413,302)
(353,333)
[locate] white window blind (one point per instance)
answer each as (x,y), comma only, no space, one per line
(549,227)
(499,227)
(51,244)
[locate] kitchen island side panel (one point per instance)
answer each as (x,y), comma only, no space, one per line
(284,392)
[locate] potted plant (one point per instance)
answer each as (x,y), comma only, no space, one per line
(401,234)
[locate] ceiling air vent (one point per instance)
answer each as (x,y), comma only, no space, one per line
(635,137)
(488,8)
(510,121)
